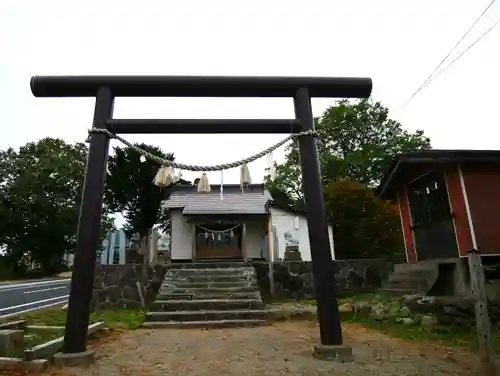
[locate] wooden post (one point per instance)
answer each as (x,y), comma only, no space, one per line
(193,258)
(153,248)
(244,241)
(146,261)
(317,225)
(483,326)
(270,243)
(141,293)
(89,226)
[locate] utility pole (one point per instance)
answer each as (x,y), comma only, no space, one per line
(483,326)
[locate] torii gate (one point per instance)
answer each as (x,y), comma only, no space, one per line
(106,88)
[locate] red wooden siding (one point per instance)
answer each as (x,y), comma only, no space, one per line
(458,210)
(482,183)
(404,210)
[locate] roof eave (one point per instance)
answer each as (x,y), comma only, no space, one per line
(384,184)
(435,157)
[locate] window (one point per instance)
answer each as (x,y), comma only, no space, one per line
(428,199)
(116,251)
(116,255)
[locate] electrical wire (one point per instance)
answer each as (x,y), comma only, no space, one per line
(463,53)
(426,82)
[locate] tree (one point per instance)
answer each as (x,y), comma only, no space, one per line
(130,189)
(41,186)
(365,225)
(357,140)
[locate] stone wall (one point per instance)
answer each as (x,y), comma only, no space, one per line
(294,279)
(448,310)
(115,285)
(426,311)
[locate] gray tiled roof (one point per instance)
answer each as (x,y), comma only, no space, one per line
(252,201)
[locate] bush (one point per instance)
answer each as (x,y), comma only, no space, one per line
(365,226)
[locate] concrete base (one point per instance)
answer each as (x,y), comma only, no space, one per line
(20,365)
(75,359)
(336,353)
(11,342)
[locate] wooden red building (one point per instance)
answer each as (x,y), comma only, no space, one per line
(449,202)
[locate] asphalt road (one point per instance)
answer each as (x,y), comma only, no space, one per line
(29,296)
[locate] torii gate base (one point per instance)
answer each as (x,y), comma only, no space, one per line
(106,88)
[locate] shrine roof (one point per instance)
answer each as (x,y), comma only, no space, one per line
(253,200)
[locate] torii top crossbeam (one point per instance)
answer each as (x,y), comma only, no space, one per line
(200,86)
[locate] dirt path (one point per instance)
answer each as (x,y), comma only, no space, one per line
(281,349)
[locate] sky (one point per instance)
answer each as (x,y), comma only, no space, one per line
(396,43)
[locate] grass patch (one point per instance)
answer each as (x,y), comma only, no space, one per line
(113,319)
(448,335)
(120,318)
(35,338)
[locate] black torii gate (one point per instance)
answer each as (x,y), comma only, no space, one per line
(106,88)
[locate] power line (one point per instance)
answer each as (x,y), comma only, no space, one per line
(449,53)
(463,53)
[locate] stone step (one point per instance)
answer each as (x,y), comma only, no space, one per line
(408,284)
(203,324)
(398,291)
(233,277)
(181,316)
(207,290)
(210,271)
(212,304)
(402,277)
(419,272)
(218,296)
(413,268)
(400,268)
(169,284)
(416,275)
(209,265)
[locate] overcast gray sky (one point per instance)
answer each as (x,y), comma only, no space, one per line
(397,43)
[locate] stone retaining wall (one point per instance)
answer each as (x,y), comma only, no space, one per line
(115,285)
(426,311)
(294,279)
(449,310)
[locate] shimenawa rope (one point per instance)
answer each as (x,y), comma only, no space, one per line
(218,231)
(182,166)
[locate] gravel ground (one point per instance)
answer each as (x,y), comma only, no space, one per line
(281,349)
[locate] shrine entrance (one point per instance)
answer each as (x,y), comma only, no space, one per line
(106,88)
(218,241)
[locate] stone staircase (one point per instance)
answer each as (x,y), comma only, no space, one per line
(408,279)
(207,295)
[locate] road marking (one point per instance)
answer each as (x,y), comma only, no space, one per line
(49,289)
(31,309)
(31,303)
(33,286)
(14,286)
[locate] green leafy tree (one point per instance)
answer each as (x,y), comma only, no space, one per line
(130,189)
(365,225)
(40,195)
(357,140)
